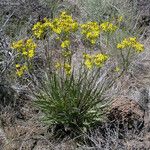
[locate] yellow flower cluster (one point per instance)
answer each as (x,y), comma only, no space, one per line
(91,31)
(26,47)
(58,65)
(65,44)
(131,42)
(94,60)
(39,28)
(21,69)
(88,60)
(63,24)
(99,59)
(108,27)
(66,67)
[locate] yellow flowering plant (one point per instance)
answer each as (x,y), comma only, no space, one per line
(131,42)
(64,24)
(97,60)
(20,69)
(65,44)
(129,45)
(108,27)
(25,47)
(90,31)
(26,51)
(72,94)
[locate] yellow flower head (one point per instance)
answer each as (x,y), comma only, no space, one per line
(21,69)
(40,28)
(31,53)
(120,46)
(138,47)
(94,60)
(108,27)
(87,56)
(88,60)
(64,24)
(17,45)
(17,65)
(90,31)
(131,42)
(58,65)
(65,44)
(99,59)
(67,68)
(25,47)
(88,63)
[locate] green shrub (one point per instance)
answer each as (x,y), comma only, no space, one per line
(70,102)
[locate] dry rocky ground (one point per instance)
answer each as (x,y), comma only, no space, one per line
(21,128)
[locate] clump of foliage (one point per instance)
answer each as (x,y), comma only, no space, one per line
(73,94)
